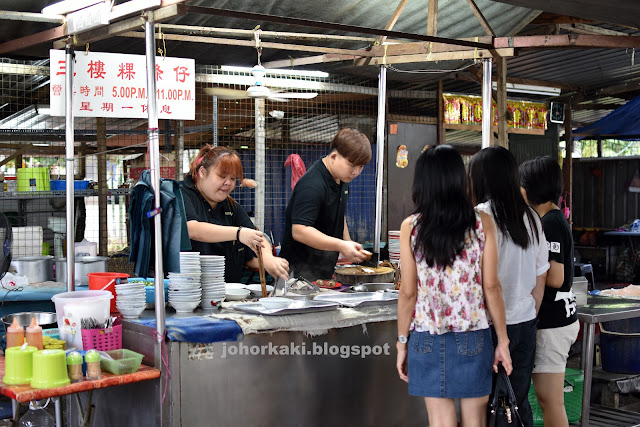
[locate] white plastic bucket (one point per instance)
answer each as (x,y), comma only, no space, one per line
(72,307)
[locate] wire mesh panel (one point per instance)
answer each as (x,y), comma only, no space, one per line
(110,154)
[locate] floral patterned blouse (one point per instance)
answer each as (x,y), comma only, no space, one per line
(451,299)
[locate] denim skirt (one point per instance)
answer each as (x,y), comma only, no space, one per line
(452,365)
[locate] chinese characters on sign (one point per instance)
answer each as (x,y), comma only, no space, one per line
(115,85)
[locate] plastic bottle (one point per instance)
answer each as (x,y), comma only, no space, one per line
(15,334)
(34,334)
(36,416)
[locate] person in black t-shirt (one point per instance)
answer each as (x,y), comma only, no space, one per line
(558,326)
(217,224)
(315,227)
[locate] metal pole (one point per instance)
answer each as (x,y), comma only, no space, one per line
(380,128)
(215,121)
(260,162)
(69,165)
(154,161)
(487,117)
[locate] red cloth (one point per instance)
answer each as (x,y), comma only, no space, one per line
(297,168)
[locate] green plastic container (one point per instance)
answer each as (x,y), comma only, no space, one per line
(573,385)
(49,369)
(125,361)
(18,365)
(33,179)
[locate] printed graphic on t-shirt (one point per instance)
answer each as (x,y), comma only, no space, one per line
(553,247)
(569,299)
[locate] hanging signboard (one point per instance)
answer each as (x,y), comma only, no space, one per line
(115,85)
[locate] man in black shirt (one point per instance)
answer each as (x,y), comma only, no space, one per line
(315,227)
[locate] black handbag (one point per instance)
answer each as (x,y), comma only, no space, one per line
(503,407)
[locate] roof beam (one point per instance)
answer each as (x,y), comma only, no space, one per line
(330,25)
(438,56)
(432,17)
(591,29)
(58,33)
(483,21)
(393,20)
(159,15)
(33,17)
(567,41)
(264,35)
(411,48)
(249,43)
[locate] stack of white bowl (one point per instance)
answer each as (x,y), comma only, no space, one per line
(394,246)
(130,299)
(184,288)
(213,289)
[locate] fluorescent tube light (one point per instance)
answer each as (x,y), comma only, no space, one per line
(66,6)
(531,89)
(301,73)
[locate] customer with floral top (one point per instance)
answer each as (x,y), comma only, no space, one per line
(449,288)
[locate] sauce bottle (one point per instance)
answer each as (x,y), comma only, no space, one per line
(34,334)
(15,334)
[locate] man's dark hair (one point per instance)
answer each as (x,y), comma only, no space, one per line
(353,145)
(542,179)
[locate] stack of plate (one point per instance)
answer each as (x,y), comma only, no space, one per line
(213,289)
(184,288)
(130,299)
(394,246)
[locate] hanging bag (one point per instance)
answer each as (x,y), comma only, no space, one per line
(503,407)
(564,205)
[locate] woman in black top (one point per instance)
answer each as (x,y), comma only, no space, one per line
(217,224)
(541,181)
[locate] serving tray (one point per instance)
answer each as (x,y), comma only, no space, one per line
(297,307)
(359,298)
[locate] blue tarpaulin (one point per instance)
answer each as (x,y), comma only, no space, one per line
(622,123)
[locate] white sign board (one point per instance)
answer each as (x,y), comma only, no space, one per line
(115,85)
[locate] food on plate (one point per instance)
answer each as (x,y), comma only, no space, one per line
(628,291)
(356,271)
(325,283)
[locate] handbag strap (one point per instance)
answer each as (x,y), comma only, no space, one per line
(504,378)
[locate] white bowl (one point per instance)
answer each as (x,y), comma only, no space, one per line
(275,303)
(131,312)
(235,286)
(236,294)
(184,306)
(256,290)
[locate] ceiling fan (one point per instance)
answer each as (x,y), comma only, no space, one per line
(258,90)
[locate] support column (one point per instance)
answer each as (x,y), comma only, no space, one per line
(503,111)
(380,128)
(567,169)
(487,117)
(260,162)
(179,149)
(103,234)
(440,132)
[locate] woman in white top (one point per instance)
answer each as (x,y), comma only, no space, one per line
(522,259)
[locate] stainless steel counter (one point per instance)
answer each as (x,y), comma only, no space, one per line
(599,309)
(272,379)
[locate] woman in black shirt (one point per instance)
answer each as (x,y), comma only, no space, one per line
(217,224)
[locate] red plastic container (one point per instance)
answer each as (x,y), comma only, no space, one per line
(107,282)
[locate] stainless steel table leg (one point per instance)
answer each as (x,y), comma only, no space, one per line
(56,402)
(15,406)
(587,365)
